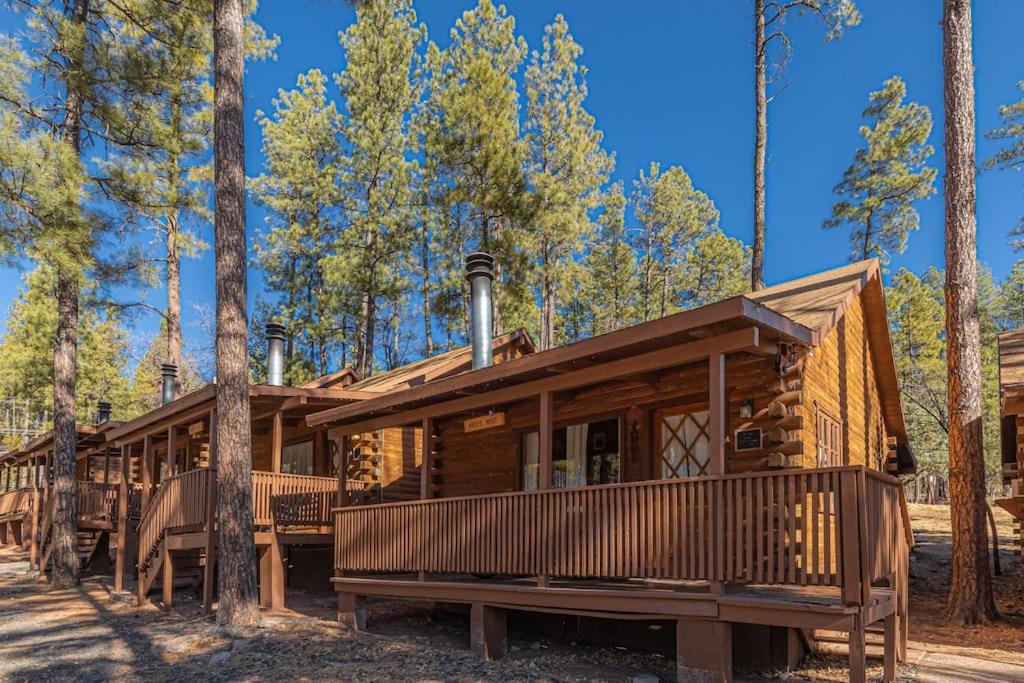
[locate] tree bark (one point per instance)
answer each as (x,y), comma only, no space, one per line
(173,295)
(65,517)
(428,337)
(760,145)
(970,591)
(64,528)
(239,599)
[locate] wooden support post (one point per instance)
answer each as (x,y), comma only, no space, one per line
(849,538)
(276,442)
(717,409)
(545,438)
(889,653)
(168,583)
(211,519)
(344,499)
(265,572)
(278,574)
(488,631)
(106,466)
(858,651)
(148,458)
(352,611)
(172,450)
(427,462)
(703,650)
(36,516)
(122,518)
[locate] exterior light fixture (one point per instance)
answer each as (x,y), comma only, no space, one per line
(747,409)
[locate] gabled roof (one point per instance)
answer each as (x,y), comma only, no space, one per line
(339,378)
(86,435)
(442,365)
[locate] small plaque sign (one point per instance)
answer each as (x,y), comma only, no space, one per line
(476,424)
(748,439)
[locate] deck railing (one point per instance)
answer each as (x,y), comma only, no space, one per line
(16,501)
(797,527)
(180,504)
(268,485)
(97,501)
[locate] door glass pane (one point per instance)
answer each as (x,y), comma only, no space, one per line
(685,446)
(297,458)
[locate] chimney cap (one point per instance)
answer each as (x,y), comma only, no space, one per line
(275,331)
(478,264)
(169,369)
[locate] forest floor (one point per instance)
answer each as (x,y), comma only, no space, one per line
(85,634)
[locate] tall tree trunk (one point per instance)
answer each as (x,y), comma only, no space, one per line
(65,357)
(760,145)
(173,292)
(237,550)
(547,301)
(970,591)
(428,337)
(368,312)
(65,517)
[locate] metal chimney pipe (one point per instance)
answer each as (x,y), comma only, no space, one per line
(480,273)
(102,412)
(168,383)
(275,354)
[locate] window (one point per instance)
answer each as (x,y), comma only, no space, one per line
(581,455)
(297,458)
(830,440)
(684,445)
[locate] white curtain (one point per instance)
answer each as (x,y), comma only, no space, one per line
(531,460)
(576,455)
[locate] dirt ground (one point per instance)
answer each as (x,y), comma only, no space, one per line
(85,634)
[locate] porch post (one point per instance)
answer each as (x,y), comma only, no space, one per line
(147,469)
(211,517)
(122,518)
(106,466)
(172,450)
(341,448)
(276,442)
(427,461)
(545,438)
(716,412)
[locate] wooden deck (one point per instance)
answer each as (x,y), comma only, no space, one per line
(822,548)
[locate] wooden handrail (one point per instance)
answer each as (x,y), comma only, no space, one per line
(16,501)
(793,527)
(97,501)
(178,504)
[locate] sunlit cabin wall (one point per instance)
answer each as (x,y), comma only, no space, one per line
(840,378)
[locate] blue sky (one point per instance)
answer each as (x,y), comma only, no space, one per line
(672,82)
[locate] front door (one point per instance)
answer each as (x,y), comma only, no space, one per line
(683,445)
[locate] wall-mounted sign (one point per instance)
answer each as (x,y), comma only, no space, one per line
(476,424)
(196,428)
(748,439)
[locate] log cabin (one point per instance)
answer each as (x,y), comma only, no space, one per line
(1011,404)
(28,500)
(730,469)
(168,458)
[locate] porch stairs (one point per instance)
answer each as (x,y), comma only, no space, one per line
(89,541)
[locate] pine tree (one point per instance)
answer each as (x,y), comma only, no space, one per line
(610,276)
(377,172)
(236,553)
(887,175)
(713,268)
(474,152)
(299,187)
(772,47)
(566,165)
(87,80)
(970,595)
(672,213)
(1012,155)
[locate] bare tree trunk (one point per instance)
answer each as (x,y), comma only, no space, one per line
(64,528)
(760,145)
(65,517)
(547,298)
(367,336)
(970,591)
(428,337)
(173,293)
(237,550)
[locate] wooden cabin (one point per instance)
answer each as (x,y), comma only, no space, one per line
(729,468)
(26,506)
(1011,402)
(169,456)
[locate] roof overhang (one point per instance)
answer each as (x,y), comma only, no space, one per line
(698,331)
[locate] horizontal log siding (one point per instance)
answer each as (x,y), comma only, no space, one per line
(773,527)
(840,376)
(401,459)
